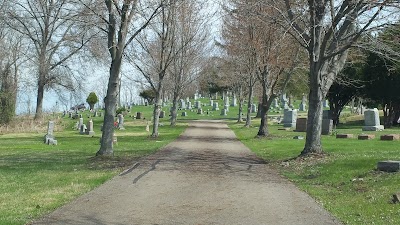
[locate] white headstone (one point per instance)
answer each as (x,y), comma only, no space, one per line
(372,121)
(215,106)
(121,122)
(234,101)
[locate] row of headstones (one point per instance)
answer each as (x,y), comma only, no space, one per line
(76,115)
(371,121)
(284,103)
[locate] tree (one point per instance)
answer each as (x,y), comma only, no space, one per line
(53,29)
(327,33)
(149,95)
(382,78)
(188,51)
(92,100)
(346,87)
(121,22)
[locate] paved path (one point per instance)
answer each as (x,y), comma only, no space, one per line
(204,177)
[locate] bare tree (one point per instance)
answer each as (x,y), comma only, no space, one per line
(189,50)
(121,21)
(327,29)
(54,30)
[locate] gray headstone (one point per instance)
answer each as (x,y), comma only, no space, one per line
(189,105)
(302,107)
(372,121)
(325,103)
(138,115)
(80,123)
(253,108)
(198,105)
(90,130)
(327,127)
(226,100)
(226,107)
(215,106)
(49,137)
(289,118)
(389,166)
(162,114)
(83,129)
(121,122)
(184,114)
(275,103)
(200,111)
(234,101)
(327,114)
(301,125)
(211,102)
(224,112)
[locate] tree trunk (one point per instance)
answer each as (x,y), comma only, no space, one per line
(156,111)
(258,115)
(110,101)
(240,116)
(314,119)
(174,110)
(249,103)
(263,130)
(40,94)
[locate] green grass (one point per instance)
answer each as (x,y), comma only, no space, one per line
(37,178)
(344,180)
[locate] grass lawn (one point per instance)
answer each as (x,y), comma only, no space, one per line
(344,180)
(37,178)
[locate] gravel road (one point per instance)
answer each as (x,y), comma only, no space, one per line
(204,177)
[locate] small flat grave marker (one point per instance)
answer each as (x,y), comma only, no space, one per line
(344,136)
(390,137)
(389,166)
(366,137)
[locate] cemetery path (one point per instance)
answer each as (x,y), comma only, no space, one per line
(204,177)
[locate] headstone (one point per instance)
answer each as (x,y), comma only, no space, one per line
(301,125)
(366,137)
(80,123)
(215,106)
(325,103)
(226,107)
(96,114)
(83,129)
(285,104)
(327,127)
(234,101)
(372,122)
(138,115)
(327,114)
(289,118)
(196,96)
(189,105)
(298,137)
(70,114)
(49,137)
(211,102)
(302,107)
(253,108)
(389,166)
(182,104)
(184,114)
(187,99)
(344,136)
(226,102)
(90,131)
(162,114)
(223,112)
(198,105)
(390,137)
(121,122)
(80,116)
(275,103)
(200,111)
